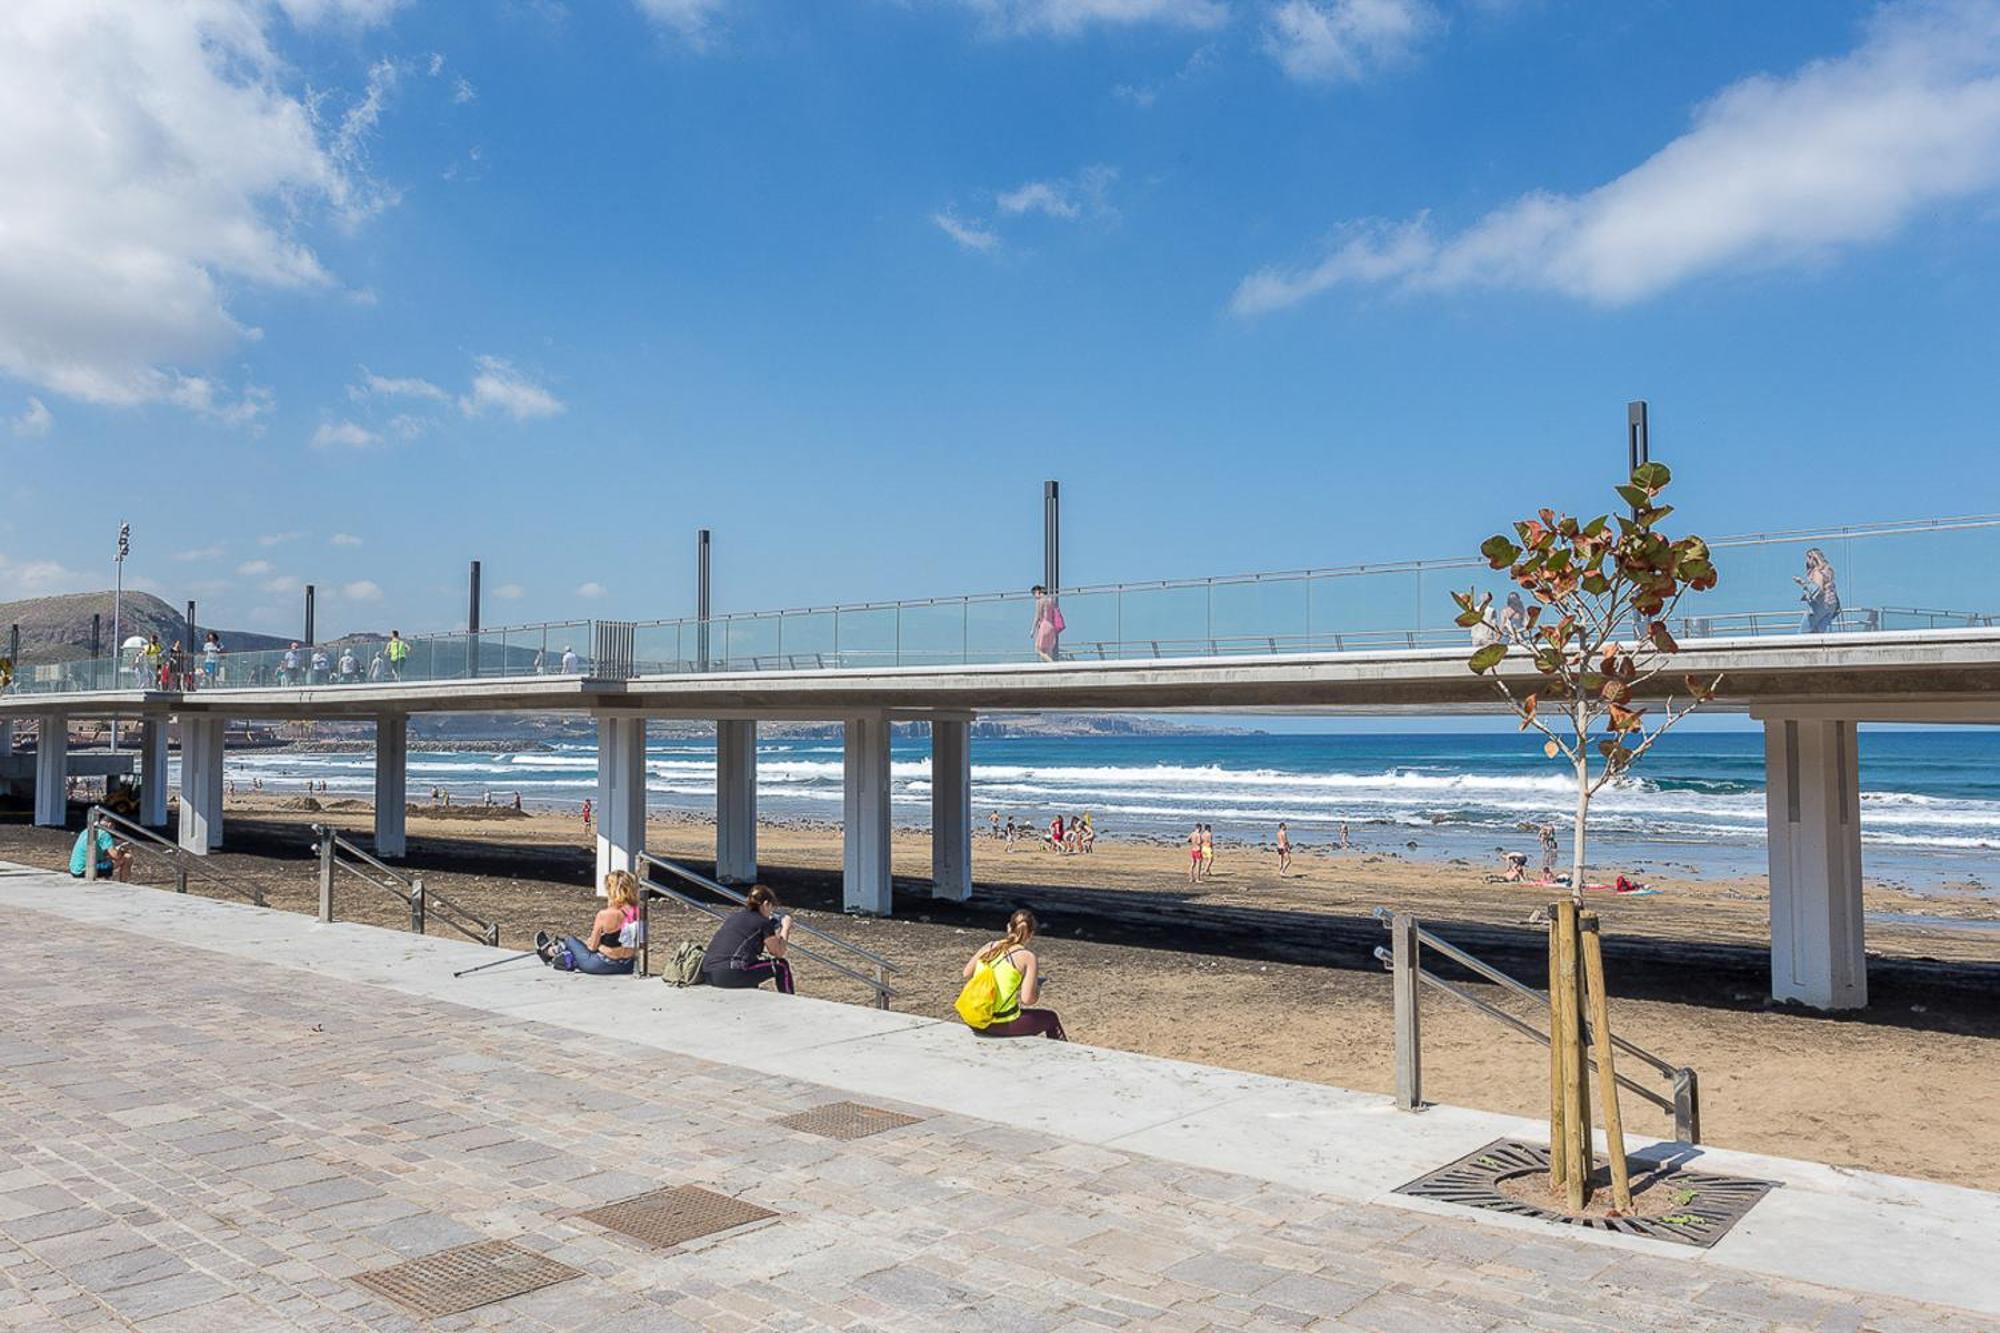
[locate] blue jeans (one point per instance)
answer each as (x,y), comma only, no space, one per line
(596,964)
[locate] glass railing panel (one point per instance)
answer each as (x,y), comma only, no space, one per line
(1000,629)
(1091,629)
(865,637)
(1761,590)
(931,633)
(1363,610)
(806,640)
(746,643)
(1164,621)
(662,649)
(1259,615)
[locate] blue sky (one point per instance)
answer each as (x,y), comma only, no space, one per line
(353,291)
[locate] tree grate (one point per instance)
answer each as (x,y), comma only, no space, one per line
(1716,1203)
(675,1216)
(453,1281)
(847,1120)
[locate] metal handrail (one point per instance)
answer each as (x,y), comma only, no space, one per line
(1684,1104)
(151,843)
(412,892)
(649,888)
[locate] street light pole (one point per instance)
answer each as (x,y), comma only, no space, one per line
(117,618)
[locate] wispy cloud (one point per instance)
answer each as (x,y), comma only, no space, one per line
(1038,197)
(970,235)
(372,385)
(510,592)
(251,569)
(1066,18)
(498,387)
(343,539)
(692,21)
(34,422)
(1333,41)
(271,539)
(1774,171)
(593,591)
(462,91)
(361,590)
(200,553)
(344,435)
(1067,198)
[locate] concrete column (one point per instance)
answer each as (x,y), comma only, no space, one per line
(201,768)
(6,737)
(621,794)
(392,783)
(153,772)
(865,817)
(52,772)
(1813,820)
(736,802)
(951,810)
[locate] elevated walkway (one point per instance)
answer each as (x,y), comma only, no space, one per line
(1857,1231)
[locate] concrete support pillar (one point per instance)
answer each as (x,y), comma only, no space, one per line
(736,802)
(6,737)
(951,810)
(392,784)
(621,794)
(201,783)
(153,772)
(52,772)
(1813,817)
(865,817)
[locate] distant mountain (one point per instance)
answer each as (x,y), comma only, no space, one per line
(57,629)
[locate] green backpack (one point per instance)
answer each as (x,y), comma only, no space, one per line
(683,967)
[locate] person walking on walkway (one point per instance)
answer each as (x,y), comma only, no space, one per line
(211,659)
(1017,978)
(1048,626)
(749,946)
(1821,597)
(397,650)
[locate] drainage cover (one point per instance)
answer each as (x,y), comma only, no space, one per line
(1686,1207)
(465,1278)
(675,1216)
(847,1120)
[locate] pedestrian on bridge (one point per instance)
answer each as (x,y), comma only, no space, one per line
(1048,624)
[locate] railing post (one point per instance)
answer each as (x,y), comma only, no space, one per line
(1687,1107)
(90,843)
(1409,1039)
(417,905)
(881,988)
(644,962)
(326,853)
(181,876)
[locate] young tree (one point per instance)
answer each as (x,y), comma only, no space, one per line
(1596,633)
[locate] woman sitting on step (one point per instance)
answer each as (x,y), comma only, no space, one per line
(614,934)
(1017,976)
(749,946)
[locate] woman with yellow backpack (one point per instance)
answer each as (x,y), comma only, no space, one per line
(1002,978)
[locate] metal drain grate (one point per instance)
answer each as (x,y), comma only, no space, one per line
(847,1120)
(465,1278)
(676,1216)
(1714,1203)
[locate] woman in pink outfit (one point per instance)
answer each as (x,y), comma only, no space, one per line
(1048,624)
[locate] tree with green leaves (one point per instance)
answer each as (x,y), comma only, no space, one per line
(1596,633)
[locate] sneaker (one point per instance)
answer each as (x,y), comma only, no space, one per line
(545,944)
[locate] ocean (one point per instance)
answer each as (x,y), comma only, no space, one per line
(1930,805)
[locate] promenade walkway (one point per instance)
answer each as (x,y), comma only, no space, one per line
(216,1117)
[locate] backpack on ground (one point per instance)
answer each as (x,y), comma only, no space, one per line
(981,996)
(683,966)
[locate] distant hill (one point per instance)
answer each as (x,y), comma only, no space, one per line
(57,629)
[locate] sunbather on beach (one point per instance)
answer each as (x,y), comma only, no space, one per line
(615,934)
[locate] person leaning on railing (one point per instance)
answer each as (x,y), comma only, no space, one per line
(749,946)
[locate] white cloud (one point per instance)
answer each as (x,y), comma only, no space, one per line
(35,420)
(1774,171)
(1039,197)
(593,591)
(200,553)
(968,234)
(349,145)
(388,386)
(344,434)
(42,578)
(281,583)
(498,387)
(271,539)
(436,65)
(251,569)
(361,590)
(1066,18)
(344,539)
(693,21)
(155,163)
(1343,40)
(462,91)
(510,592)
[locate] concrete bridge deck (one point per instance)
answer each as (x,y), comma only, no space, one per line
(216,1117)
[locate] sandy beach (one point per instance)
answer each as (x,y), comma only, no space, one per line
(1272,975)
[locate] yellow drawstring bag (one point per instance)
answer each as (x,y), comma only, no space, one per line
(980,997)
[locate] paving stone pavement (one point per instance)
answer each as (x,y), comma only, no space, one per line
(192,1143)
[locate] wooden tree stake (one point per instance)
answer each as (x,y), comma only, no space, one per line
(1607,1073)
(1558,1123)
